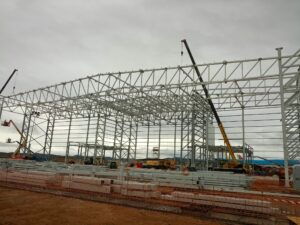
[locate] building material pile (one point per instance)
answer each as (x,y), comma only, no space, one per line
(24,177)
(136,185)
(222,201)
(125,188)
(194,180)
(25,173)
(137,189)
(88,184)
(212,180)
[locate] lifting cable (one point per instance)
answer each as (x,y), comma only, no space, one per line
(15,82)
(181,54)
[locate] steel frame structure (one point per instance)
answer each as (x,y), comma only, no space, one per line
(122,108)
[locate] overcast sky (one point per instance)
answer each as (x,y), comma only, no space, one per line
(58,40)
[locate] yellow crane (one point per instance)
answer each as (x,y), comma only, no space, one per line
(234,163)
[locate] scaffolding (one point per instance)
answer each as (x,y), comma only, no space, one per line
(125,115)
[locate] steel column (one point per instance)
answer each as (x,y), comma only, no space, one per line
(285,151)
(68,140)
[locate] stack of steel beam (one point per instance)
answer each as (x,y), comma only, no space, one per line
(35,178)
(137,189)
(91,184)
(193,180)
(222,201)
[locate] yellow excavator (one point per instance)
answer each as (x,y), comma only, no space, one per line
(22,143)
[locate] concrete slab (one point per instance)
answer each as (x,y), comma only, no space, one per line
(89,187)
(116,188)
(91,180)
(139,186)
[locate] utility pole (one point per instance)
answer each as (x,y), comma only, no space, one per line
(243,120)
(283,120)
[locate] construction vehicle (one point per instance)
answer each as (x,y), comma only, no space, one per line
(160,164)
(157,163)
(230,164)
(22,143)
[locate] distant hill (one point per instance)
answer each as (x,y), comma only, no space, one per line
(61,158)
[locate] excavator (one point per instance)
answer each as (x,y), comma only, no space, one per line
(22,144)
(230,165)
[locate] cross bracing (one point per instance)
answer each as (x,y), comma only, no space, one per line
(159,97)
(258,78)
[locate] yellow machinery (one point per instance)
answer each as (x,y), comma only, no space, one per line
(22,144)
(160,164)
(230,164)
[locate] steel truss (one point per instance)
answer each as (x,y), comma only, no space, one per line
(290,89)
(120,111)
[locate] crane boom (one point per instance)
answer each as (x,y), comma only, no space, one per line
(220,125)
(23,142)
(15,70)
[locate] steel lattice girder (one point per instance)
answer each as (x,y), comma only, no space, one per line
(157,88)
(149,95)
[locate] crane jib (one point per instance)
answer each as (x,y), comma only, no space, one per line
(226,140)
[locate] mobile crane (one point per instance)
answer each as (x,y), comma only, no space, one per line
(22,143)
(233,163)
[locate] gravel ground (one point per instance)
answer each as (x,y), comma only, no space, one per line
(18,207)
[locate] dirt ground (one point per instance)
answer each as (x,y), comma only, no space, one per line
(271,185)
(18,207)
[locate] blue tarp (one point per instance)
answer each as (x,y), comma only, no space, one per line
(274,162)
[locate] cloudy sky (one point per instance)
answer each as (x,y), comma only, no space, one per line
(59,40)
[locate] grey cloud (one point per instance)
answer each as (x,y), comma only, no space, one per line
(53,41)
(59,40)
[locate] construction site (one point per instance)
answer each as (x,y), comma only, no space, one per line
(181,140)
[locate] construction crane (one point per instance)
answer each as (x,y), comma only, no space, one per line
(22,143)
(234,163)
(4,86)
